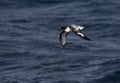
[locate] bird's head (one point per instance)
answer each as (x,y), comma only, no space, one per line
(63,27)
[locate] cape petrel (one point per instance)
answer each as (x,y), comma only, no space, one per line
(71,28)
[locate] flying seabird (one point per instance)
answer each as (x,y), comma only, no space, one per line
(71,28)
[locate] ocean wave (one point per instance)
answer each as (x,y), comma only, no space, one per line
(29,3)
(112,77)
(30,50)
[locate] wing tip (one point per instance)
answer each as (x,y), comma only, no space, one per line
(63,45)
(87,38)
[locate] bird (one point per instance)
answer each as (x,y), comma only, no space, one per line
(66,29)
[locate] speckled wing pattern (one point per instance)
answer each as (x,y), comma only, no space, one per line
(82,35)
(63,38)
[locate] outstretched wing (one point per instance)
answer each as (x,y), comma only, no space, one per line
(83,36)
(63,38)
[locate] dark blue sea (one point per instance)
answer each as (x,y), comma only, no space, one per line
(30,50)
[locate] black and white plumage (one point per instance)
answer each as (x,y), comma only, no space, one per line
(71,28)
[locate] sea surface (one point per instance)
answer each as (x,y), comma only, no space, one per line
(30,50)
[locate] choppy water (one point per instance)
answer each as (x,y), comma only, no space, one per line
(30,51)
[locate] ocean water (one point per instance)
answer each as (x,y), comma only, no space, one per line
(30,51)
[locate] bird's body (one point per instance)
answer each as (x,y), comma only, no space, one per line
(71,28)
